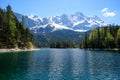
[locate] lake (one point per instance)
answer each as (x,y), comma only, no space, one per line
(60,64)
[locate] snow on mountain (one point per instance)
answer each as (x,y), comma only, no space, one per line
(79,22)
(76,22)
(34,17)
(30,20)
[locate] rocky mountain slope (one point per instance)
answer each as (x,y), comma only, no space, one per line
(75,22)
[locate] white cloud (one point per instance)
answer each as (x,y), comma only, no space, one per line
(104,10)
(107,13)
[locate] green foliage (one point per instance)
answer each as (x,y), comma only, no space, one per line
(13,33)
(105,37)
(101,37)
(85,42)
(45,39)
(93,38)
(118,38)
(109,39)
(62,44)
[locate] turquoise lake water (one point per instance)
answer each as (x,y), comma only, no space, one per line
(60,64)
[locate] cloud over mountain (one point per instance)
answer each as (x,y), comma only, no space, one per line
(107,13)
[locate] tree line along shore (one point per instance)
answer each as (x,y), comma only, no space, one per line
(14,35)
(107,37)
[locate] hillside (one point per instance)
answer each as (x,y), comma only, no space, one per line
(45,39)
(60,28)
(13,34)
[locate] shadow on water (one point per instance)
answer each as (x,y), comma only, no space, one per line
(11,63)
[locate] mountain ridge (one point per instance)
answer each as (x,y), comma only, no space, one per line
(76,22)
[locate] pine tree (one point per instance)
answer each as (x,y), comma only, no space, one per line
(93,38)
(85,42)
(105,37)
(11,27)
(118,38)
(102,37)
(109,39)
(13,33)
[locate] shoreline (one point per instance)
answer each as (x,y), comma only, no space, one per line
(17,50)
(35,49)
(104,49)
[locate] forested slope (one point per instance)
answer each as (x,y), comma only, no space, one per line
(13,34)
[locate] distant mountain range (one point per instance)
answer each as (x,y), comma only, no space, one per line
(77,22)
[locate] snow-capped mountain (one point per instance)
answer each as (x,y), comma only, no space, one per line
(30,20)
(76,22)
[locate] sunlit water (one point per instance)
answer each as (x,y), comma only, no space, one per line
(60,64)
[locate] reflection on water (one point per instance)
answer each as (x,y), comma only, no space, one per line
(56,65)
(60,64)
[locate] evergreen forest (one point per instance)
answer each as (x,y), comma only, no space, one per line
(105,37)
(13,34)
(63,44)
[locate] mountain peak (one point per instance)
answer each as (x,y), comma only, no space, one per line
(76,22)
(34,17)
(30,15)
(78,14)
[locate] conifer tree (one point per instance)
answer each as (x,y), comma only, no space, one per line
(109,39)
(118,38)
(93,38)
(13,33)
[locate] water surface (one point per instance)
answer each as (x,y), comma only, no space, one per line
(60,64)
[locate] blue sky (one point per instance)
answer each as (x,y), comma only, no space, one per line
(107,10)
